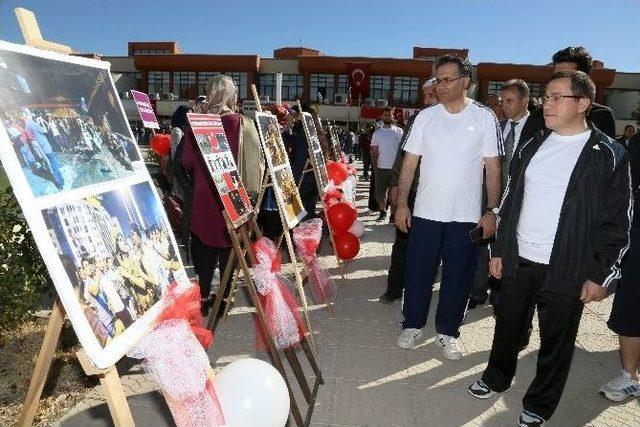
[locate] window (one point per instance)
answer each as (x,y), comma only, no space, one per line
(184,84)
(151,52)
(321,84)
(158,82)
(267,85)
(406,89)
(343,84)
(203,79)
(240,80)
(494,88)
(535,89)
(380,87)
(291,87)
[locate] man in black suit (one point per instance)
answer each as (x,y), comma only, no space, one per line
(627,136)
(575,58)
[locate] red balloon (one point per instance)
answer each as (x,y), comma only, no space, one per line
(341,216)
(160,144)
(332,196)
(337,172)
(347,245)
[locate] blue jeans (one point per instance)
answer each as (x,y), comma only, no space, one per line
(55,168)
(428,242)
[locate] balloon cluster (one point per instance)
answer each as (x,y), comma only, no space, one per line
(342,217)
(160,144)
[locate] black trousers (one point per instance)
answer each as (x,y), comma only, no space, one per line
(395,278)
(479,290)
(559,317)
(205,259)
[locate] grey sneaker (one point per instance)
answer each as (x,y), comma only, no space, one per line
(529,419)
(449,346)
(409,338)
(621,387)
(480,390)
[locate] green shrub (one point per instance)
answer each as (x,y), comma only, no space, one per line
(23,276)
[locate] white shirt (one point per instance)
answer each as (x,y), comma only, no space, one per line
(545,185)
(518,130)
(387,140)
(453,148)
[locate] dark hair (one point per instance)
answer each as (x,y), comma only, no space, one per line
(630,126)
(388,110)
(519,85)
(581,83)
(576,54)
(464,66)
(179,117)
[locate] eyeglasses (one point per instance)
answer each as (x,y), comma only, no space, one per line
(448,80)
(557,97)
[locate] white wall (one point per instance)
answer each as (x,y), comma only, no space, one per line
(623,104)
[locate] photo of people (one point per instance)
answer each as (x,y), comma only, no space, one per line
(233,194)
(335,143)
(117,251)
(273,144)
(64,122)
(287,191)
(317,157)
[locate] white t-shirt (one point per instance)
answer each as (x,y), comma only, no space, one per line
(453,148)
(545,184)
(387,140)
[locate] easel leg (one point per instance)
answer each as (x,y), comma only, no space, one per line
(116,400)
(43,364)
(299,373)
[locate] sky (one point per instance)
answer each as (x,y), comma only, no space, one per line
(525,32)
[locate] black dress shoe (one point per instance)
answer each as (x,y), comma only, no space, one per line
(473,303)
(388,299)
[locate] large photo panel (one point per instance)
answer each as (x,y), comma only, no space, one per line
(90,203)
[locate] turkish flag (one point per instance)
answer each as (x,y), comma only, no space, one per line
(359,78)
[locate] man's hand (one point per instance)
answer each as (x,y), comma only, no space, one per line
(495,267)
(393,195)
(488,224)
(403,218)
(591,291)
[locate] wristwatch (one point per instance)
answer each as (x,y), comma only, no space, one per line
(493,210)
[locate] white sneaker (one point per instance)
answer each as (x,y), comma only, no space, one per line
(409,338)
(621,387)
(449,346)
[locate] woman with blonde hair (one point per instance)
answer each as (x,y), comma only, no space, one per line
(210,241)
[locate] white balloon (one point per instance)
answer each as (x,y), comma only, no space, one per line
(252,393)
(357,228)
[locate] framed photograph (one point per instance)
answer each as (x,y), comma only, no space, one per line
(315,150)
(64,122)
(335,143)
(285,188)
(213,144)
(90,203)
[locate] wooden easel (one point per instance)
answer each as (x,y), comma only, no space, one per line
(109,378)
(318,176)
(241,243)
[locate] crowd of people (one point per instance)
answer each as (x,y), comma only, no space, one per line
(118,288)
(40,137)
(536,209)
(527,203)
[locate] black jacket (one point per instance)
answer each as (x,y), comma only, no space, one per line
(600,116)
(593,228)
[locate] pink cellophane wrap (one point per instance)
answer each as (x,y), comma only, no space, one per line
(284,323)
(307,237)
(178,362)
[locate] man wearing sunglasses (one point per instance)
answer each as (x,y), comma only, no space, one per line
(564,229)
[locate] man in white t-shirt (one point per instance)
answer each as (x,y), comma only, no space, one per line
(455,142)
(564,229)
(384,146)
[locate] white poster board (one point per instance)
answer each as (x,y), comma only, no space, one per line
(92,208)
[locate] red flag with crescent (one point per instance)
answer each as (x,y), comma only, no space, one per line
(359,78)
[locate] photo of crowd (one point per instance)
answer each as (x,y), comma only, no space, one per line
(118,254)
(64,122)
(287,191)
(274,146)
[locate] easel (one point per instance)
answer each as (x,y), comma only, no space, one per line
(241,243)
(318,176)
(109,378)
(230,271)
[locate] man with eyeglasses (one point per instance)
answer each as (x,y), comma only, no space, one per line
(576,58)
(564,229)
(454,142)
